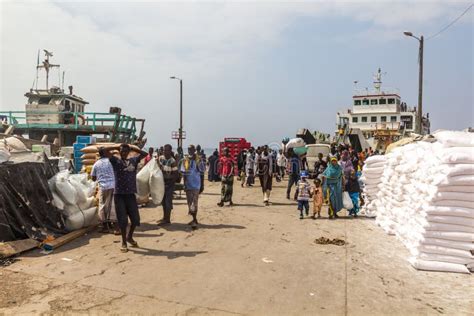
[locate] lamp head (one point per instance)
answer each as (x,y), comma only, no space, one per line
(408,33)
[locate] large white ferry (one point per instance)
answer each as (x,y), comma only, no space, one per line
(378,117)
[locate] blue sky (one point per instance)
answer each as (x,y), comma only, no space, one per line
(259,70)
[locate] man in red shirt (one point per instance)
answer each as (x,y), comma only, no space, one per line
(226,171)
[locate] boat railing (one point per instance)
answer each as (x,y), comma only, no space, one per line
(369,92)
(71,120)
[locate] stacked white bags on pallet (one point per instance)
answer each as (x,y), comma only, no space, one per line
(371,178)
(426,199)
(73,194)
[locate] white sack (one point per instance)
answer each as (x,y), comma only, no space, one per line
(157,183)
(88,203)
(64,188)
(456,188)
(446,251)
(449,244)
(80,219)
(454,220)
(15,145)
(460,236)
(456,155)
(455,203)
(449,211)
(295,142)
(455,138)
(347,201)
(443,258)
(375,159)
(81,190)
(4,154)
(57,201)
(143,179)
(438,266)
(448,228)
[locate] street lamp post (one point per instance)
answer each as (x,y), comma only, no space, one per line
(421,40)
(180,132)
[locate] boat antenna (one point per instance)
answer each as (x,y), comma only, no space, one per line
(37,68)
(62,84)
(378,80)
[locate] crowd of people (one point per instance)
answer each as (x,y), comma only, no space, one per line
(332,175)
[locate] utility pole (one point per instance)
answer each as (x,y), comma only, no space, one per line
(419,117)
(180,140)
(180,131)
(420,88)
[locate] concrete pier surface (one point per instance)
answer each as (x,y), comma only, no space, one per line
(247,259)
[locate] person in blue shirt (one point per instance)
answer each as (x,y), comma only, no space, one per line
(193,168)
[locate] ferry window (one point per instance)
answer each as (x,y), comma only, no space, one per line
(365,102)
(373,101)
(373,119)
(398,101)
(355,119)
(391,101)
(357,102)
(382,101)
(73,107)
(393,118)
(383,119)
(364,118)
(44,100)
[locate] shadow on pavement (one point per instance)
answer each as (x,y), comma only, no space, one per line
(162,253)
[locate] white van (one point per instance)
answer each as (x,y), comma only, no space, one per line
(313,150)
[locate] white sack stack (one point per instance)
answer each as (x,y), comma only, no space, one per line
(73,194)
(426,199)
(371,178)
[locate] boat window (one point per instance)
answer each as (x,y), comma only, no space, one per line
(73,108)
(44,100)
(391,101)
(357,102)
(382,101)
(355,119)
(373,119)
(393,118)
(373,101)
(364,118)
(398,101)
(365,102)
(383,119)
(67,105)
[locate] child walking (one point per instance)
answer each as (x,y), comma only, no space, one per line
(303,193)
(353,188)
(317,198)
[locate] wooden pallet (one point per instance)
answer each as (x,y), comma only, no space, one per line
(12,248)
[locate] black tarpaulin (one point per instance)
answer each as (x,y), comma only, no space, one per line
(26,210)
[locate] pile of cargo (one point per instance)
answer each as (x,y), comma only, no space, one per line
(426,199)
(73,195)
(374,167)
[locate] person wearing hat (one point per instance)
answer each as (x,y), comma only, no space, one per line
(333,177)
(303,193)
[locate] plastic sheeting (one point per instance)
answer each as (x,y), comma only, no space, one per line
(26,209)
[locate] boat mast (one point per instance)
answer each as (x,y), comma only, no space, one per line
(46,65)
